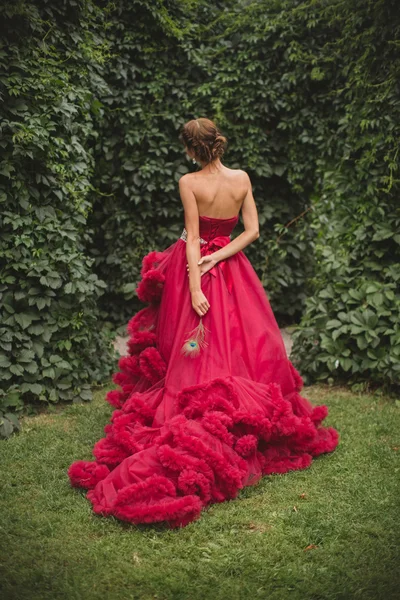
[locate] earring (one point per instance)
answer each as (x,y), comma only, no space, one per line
(194,161)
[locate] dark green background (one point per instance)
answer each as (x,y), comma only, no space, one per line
(93,97)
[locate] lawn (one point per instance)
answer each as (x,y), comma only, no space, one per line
(331,531)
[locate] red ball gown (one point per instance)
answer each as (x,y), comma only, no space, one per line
(205,406)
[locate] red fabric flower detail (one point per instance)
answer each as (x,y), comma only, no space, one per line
(319,413)
(143,320)
(150,288)
(130,365)
(152,364)
(107,451)
(150,261)
(116,398)
(141,340)
(86,474)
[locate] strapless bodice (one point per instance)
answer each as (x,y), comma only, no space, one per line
(211,227)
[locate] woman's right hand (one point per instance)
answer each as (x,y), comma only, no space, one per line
(200,303)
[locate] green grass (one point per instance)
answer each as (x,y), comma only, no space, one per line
(54,547)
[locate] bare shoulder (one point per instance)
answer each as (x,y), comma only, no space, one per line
(186,180)
(239,174)
(243,175)
(241,178)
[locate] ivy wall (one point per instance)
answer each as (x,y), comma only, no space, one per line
(93,96)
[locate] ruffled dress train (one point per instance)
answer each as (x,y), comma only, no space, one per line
(204,406)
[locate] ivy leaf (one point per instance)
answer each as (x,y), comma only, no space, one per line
(24,319)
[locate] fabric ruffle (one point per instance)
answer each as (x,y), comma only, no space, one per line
(224,433)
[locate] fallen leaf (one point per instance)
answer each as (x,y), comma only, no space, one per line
(295,509)
(310,547)
(136,558)
(303,495)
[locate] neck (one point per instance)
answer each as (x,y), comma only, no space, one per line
(215,164)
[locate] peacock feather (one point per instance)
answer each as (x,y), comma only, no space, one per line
(195,341)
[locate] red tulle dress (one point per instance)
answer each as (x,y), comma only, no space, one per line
(205,406)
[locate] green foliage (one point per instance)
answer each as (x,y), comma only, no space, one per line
(161,73)
(9,405)
(50,345)
(307,93)
(350,329)
(94,95)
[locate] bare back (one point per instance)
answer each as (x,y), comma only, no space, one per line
(219,193)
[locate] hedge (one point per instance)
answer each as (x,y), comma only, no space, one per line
(51,347)
(94,96)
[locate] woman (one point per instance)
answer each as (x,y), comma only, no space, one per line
(209,401)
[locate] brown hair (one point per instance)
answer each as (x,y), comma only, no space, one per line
(203,137)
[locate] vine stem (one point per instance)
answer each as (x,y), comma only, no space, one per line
(293,221)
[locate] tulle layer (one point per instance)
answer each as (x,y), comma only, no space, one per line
(173,447)
(225,435)
(228,433)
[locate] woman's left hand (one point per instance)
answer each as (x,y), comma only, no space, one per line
(206,263)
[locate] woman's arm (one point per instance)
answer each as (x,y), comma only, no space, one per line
(250,233)
(199,301)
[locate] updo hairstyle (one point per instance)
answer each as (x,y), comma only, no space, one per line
(203,137)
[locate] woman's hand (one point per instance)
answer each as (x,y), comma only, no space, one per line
(206,263)
(200,303)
